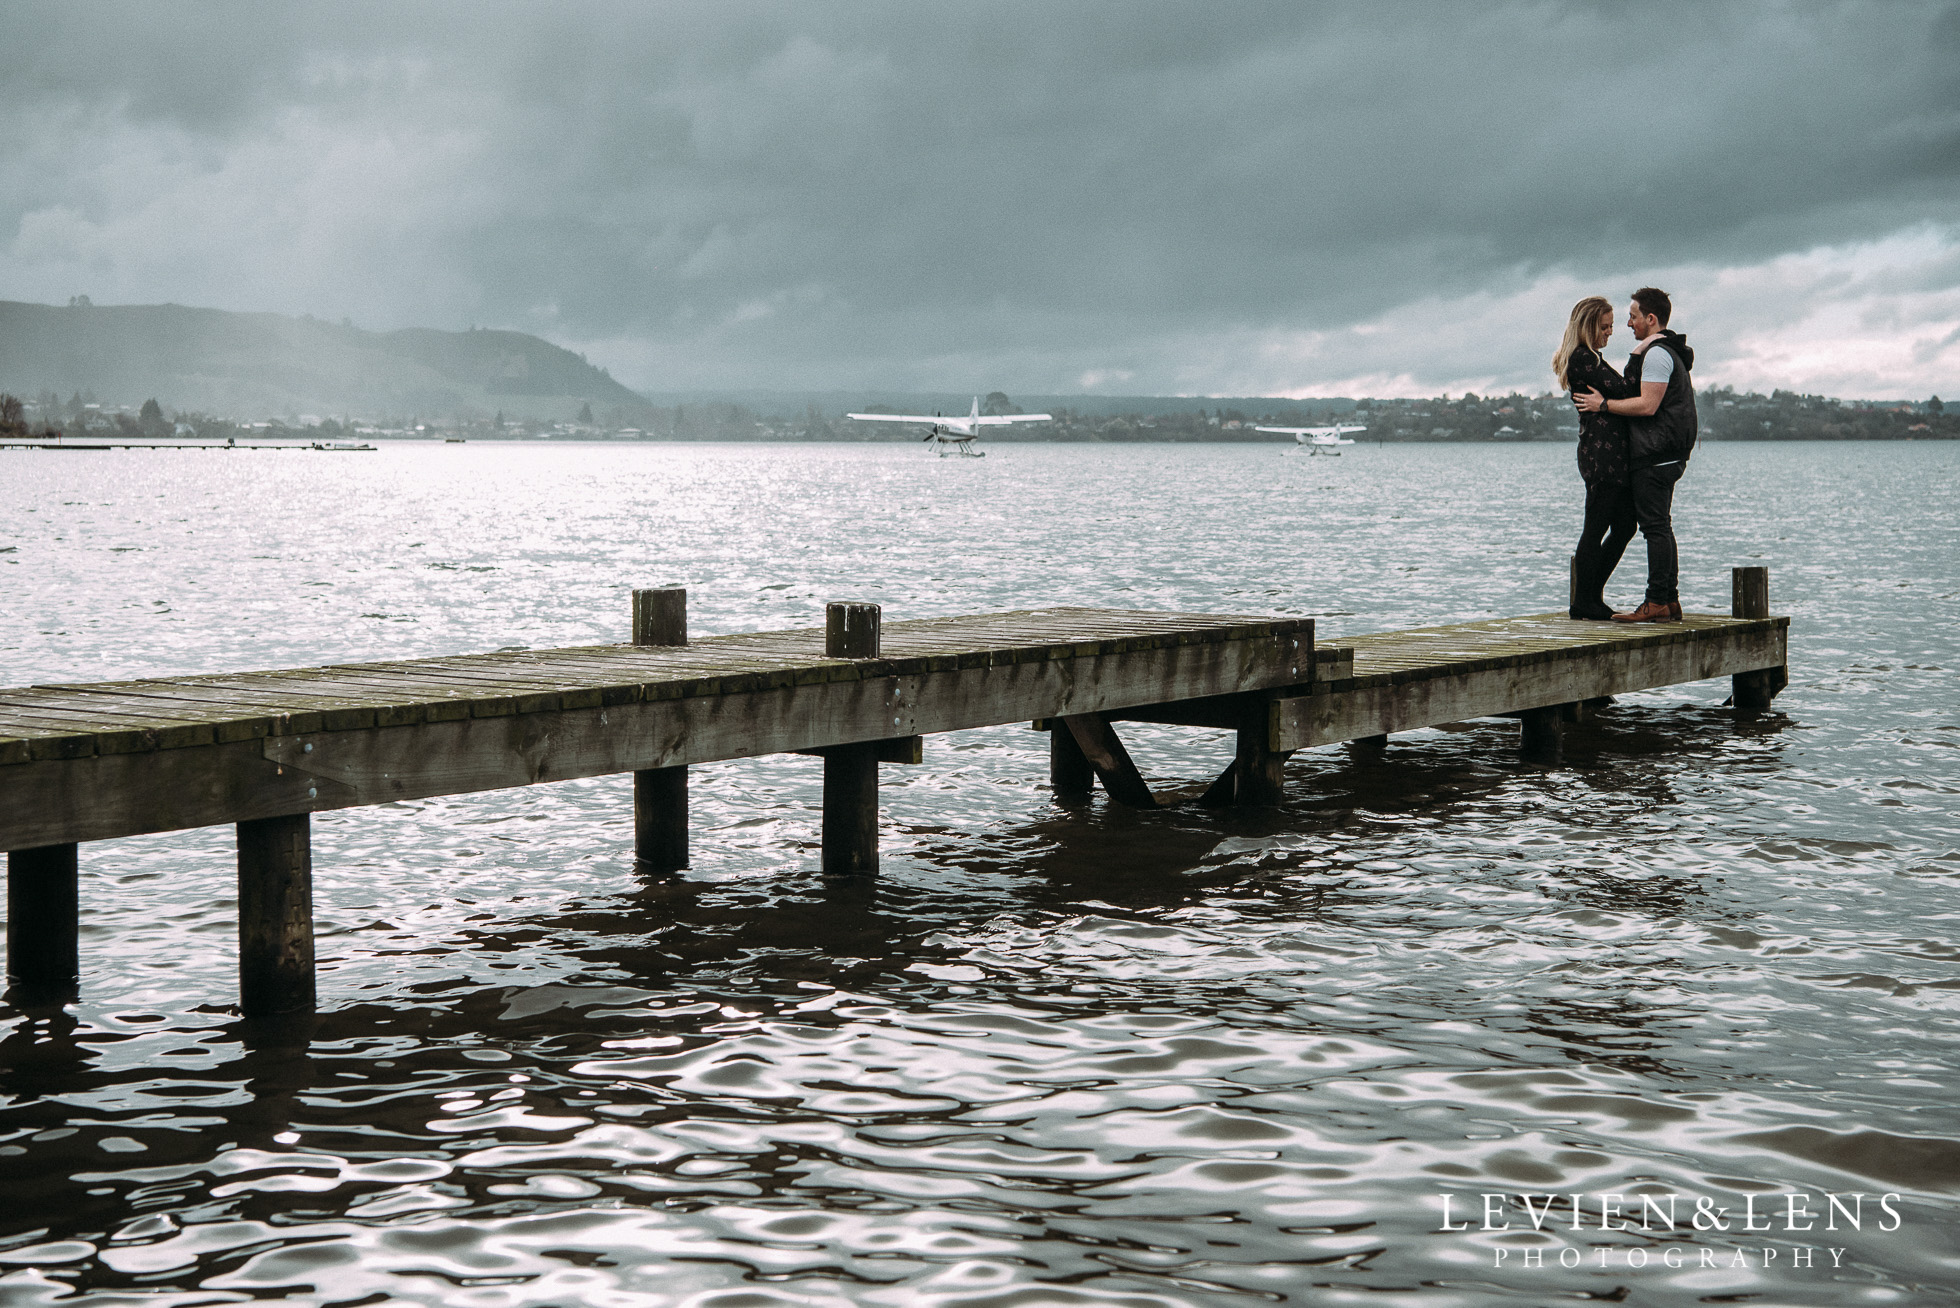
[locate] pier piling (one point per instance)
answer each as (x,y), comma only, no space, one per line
(275,915)
(1068,768)
(1541,740)
(1368,749)
(44,917)
(1261,768)
(660,794)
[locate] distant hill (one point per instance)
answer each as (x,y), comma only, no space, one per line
(264,364)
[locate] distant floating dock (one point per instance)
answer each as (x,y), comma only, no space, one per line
(265,750)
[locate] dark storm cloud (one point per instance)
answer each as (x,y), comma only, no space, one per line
(904,194)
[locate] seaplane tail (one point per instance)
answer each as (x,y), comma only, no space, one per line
(955,435)
(1319,440)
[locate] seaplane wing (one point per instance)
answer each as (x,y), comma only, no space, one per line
(1002,419)
(967,425)
(941,426)
(930,419)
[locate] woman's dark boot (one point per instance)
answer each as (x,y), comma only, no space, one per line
(1589,603)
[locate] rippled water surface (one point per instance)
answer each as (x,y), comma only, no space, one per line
(1055,1055)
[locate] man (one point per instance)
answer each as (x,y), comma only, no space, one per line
(1661,422)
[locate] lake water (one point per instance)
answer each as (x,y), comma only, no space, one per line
(1054,1055)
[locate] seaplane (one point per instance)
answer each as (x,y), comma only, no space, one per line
(955,435)
(1319,440)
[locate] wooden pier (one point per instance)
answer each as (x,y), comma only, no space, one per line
(265,750)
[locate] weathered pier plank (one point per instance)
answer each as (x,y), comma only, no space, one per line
(88,774)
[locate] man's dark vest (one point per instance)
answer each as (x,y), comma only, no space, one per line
(1669,432)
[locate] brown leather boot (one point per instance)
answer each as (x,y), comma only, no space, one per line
(1649,611)
(1674,611)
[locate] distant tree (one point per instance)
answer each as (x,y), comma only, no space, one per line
(997,403)
(1934,406)
(12,423)
(150,419)
(585,412)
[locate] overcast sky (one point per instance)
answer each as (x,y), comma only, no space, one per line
(1196,198)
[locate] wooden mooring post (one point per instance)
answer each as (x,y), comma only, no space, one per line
(1749,598)
(660,794)
(850,772)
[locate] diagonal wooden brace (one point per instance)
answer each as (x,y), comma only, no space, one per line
(1222,792)
(1255,778)
(1105,752)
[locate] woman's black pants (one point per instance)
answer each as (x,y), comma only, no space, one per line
(1610,524)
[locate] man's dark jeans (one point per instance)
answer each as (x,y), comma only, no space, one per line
(1653,505)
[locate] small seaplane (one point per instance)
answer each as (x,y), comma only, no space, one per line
(956,435)
(1319,440)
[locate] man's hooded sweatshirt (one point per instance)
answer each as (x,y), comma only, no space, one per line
(1667,435)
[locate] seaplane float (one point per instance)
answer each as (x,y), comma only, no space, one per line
(1318,440)
(956,435)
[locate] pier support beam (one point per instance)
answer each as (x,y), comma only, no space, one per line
(1542,740)
(1749,598)
(275,915)
(850,772)
(44,918)
(1068,768)
(660,794)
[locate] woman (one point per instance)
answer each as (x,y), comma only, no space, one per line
(1603,459)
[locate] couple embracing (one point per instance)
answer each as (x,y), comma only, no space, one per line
(1636,432)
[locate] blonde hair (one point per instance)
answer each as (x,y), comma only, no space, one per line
(1581,329)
